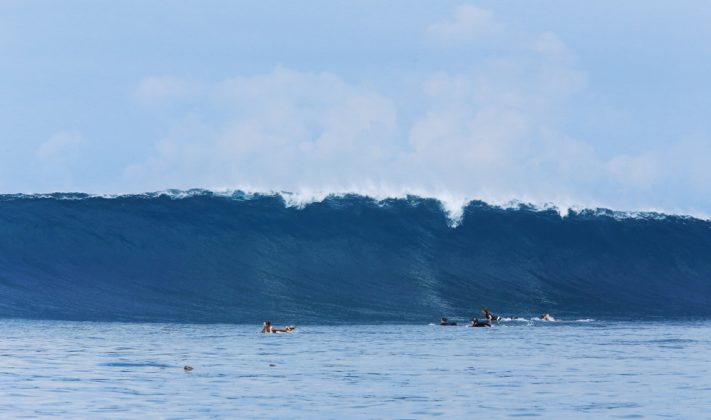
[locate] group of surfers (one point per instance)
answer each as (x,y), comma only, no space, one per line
(489,318)
(267,326)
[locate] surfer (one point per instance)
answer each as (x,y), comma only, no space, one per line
(546,317)
(476,324)
(268,328)
(447,323)
(489,315)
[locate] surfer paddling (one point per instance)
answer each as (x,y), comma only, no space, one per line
(447,323)
(489,315)
(268,328)
(476,324)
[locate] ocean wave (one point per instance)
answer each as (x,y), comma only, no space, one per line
(453,206)
(235,256)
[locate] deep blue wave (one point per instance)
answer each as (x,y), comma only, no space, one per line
(239,258)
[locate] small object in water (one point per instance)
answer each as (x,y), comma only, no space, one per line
(445,322)
(475,323)
(546,317)
(489,315)
(271,365)
(267,327)
(187,368)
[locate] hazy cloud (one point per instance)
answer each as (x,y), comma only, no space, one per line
(61,147)
(468,23)
(55,161)
(492,132)
(161,89)
(284,129)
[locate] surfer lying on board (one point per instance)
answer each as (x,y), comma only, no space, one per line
(489,315)
(475,323)
(546,317)
(268,328)
(445,322)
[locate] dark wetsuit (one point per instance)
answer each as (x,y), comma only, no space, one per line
(492,317)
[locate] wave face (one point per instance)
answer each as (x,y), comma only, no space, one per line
(237,258)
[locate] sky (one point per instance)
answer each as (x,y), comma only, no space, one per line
(583,104)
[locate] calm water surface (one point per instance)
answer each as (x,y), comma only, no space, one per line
(518,369)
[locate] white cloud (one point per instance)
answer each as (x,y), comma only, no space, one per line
(63,146)
(161,89)
(286,128)
(483,135)
(468,23)
(660,178)
(494,132)
(486,133)
(56,161)
(639,171)
(548,44)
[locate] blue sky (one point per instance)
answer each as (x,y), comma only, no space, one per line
(576,103)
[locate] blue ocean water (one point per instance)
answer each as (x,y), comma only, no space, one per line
(199,256)
(103,300)
(576,369)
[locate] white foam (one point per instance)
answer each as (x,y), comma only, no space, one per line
(452,204)
(506,319)
(551,319)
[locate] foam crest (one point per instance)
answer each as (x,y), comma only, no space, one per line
(452,204)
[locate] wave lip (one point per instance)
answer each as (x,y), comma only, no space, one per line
(234,256)
(453,207)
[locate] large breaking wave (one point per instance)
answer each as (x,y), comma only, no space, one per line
(204,257)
